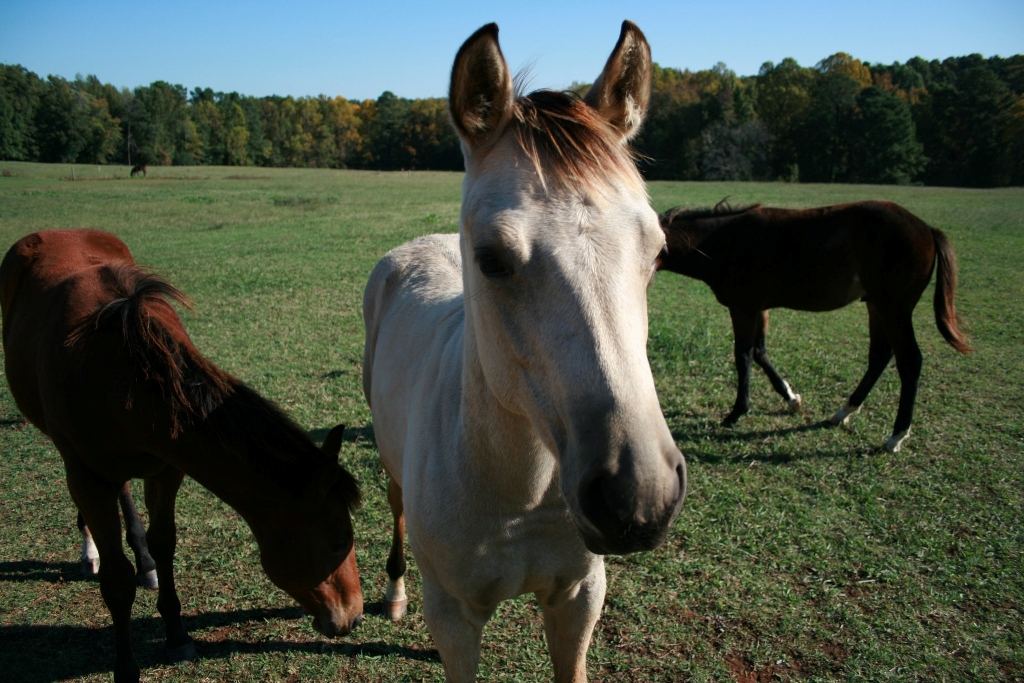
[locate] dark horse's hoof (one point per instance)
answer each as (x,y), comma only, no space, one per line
(148,580)
(731,419)
(182,653)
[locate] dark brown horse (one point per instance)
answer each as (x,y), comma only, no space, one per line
(98,359)
(756,258)
(138,168)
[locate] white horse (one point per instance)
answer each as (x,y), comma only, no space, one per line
(506,366)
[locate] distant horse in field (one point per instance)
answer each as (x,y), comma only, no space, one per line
(138,168)
(506,366)
(98,359)
(756,258)
(135,535)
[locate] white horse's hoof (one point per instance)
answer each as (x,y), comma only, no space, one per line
(795,403)
(395,610)
(843,415)
(90,566)
(148,580)
(895,441)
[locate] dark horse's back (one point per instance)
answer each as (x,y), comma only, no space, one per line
(805,259)
(53,284)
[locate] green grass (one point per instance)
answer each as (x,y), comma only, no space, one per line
(802,553)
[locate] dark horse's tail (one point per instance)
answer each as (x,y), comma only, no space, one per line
(155,340)
(946,318)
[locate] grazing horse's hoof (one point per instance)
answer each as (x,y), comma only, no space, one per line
(395,609)
(795,403)
(896,441)
(148,580)
(182,653)
(90,566)
(843,415)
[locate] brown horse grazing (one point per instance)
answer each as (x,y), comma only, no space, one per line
(98,359)
(135,535)
(755,259)
(138,168)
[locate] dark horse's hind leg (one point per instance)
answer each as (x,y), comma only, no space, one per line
(891,333)
(908,364)
(97,501)
(161,492)
(879,355)
(134,534)
(395,600)
(780,385)
(145,567)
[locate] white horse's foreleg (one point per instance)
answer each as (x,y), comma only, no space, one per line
(456,629)
(569,619)
(842,417)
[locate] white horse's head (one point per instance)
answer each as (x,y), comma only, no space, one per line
(558,243)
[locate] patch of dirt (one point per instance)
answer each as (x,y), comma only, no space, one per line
(744,671)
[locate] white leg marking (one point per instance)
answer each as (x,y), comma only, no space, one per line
(792,400)
(896,441)
(842,418)
(90,561)
(395,600)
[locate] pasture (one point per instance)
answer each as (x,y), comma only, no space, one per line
(802,552)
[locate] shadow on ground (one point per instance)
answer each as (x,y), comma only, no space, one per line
(48,653)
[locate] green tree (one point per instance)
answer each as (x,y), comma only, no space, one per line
(884,148)
(19,98)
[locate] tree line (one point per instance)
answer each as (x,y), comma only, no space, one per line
(956,122)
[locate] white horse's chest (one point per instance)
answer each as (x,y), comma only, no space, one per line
(484,558)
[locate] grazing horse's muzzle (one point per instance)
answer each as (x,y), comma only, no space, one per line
(620,520)
(332,629)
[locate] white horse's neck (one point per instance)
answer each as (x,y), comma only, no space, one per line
(503,448)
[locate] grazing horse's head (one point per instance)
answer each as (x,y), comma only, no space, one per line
(558,243)
(307,547)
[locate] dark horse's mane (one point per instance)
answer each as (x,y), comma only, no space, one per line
(720,210)
(202,399)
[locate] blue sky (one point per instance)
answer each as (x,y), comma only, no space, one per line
(359,50)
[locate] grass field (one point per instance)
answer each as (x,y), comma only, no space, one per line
(802,553)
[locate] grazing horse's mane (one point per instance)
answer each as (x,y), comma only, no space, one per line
(201,397)
(580,147)
(720,210)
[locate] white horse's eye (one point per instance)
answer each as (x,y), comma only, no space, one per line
(490,265)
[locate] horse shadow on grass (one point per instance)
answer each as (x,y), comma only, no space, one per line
(693,428)
(32,653)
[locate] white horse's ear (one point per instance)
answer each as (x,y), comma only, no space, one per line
(623,90)
(481,94)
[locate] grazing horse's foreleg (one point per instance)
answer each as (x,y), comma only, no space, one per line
(569,619)
(744,326)
(780,385)
(395,600)
(90,558)
(97,501)
(145,568)
(908,364)
(161,492)
(879,355)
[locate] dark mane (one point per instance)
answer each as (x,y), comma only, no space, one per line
(200,396)
(720,210)
(559,130)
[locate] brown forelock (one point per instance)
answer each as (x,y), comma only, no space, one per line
(568,142)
